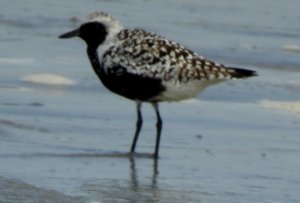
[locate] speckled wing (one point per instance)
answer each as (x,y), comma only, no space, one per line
(155,57)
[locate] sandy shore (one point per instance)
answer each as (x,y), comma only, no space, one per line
(65,138)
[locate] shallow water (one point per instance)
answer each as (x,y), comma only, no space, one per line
(64,138)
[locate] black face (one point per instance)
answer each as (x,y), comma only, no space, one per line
(93,33)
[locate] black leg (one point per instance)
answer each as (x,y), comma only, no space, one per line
(139,124)
(158,129)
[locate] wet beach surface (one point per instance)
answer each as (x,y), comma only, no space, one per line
(65,138)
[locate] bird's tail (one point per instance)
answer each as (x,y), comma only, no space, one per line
(241,73)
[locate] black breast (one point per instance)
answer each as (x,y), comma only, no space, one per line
(132,86)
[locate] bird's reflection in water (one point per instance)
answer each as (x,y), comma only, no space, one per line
(135,187)
(134,174)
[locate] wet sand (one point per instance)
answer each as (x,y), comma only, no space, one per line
(64,138)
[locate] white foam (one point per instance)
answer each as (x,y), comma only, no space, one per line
(17,61)
(14,87)
(291,48)
(48,79)
(292,106)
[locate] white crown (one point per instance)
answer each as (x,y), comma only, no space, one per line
(112,25)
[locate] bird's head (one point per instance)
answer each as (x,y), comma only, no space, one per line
(98,28)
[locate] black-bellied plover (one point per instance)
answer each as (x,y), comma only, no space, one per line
(146,67)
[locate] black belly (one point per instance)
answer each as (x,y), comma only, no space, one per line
(131,86)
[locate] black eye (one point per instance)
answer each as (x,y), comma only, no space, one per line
(94,33)
(93,28)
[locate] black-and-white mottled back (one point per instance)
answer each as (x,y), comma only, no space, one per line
(147,67)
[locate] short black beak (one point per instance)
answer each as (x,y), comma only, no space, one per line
(73,33)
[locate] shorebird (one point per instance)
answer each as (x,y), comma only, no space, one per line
(146,67)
